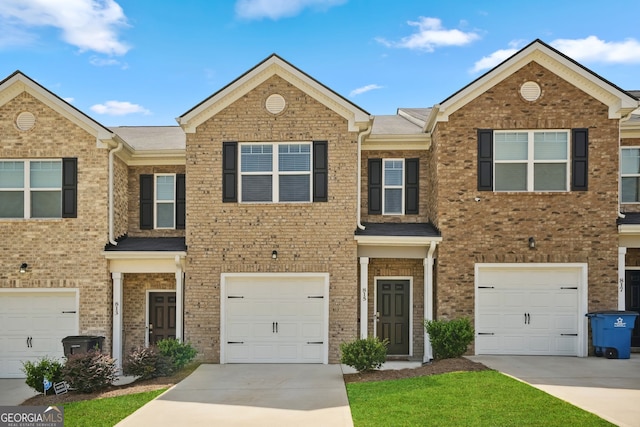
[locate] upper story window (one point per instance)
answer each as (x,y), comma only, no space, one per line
(393,186)
(393,194)
(162,201)
(165,201)
(533,160)
(38,188)
(630,175)
(275,172)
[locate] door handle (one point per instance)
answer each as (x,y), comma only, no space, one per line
(276,327)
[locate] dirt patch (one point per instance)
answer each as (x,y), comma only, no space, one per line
(434,368)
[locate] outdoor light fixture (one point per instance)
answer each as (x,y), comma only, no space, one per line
(532,243)
(274,254)
(23,267)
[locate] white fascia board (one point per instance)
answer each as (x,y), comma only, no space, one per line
(153,157)
(629,229)
(397,142)
(396,240)
(143,254)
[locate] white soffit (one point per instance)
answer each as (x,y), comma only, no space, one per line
(619,102)
(358,119)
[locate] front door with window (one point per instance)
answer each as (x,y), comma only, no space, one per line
(393,315)
(632,302)
(162,316)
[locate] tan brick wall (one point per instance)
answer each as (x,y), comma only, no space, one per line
(65,252)
(236,237)
(120,198)
(134,173)
(568,227)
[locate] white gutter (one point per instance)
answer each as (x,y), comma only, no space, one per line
(112,153)
(361,136)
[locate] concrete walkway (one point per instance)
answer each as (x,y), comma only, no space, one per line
(14,391)
(609,388)
(251,395)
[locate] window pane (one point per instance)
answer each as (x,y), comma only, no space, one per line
(294,157)
(511,176)
(511,145)
(550,145)
(164,187)
(630,161)
(257,188)
(11,204)
(393,201)
(165,215)
(295,188)
(46,204)
(630,188)
(46,174)
(11,174)
(550,177)
(393,172)
(256,158)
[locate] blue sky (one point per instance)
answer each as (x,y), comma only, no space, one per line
(145,62)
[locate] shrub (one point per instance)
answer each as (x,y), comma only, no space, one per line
(90,371)
(179,353)
(37,371)
(147,362)
(364,354)
(449,339)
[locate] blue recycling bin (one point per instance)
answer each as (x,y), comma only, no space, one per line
(611,333)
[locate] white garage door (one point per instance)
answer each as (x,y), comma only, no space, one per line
(33,325)
(529,310)
(275,319)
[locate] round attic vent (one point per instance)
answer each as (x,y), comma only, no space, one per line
(275,103)
(530,91)
(25,120)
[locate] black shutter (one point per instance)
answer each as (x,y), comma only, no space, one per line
(180,201)
(229,172)
(411,186)
(69,187)
(146,202)
(485,160)
(579,159)
(320,171)
(375,186)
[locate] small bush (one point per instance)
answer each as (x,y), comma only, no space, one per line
(180,353)
(364,354)
(90,371)
(449,339)
(147,362)
(37,371)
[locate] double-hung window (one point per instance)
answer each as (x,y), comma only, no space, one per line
(162,201)
(165,201)
(31,189)
(630,175)
(275,172)
(531,160)
(393,186)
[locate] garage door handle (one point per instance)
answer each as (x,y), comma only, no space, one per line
(568,335)
(486,287)
(68,312)
(486,333)
(569,287)
(315,296)
(315,342)
(235,342)
(234,296)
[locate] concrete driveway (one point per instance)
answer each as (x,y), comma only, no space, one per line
(14,391)
(251,395)
(609,388)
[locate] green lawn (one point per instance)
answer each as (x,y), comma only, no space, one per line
(105,412)
(485,398)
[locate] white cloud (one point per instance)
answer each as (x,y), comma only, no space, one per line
(119,108)
(276,9)
(69,100)
(431,35)
(496,57)
(592,49)
(364,89)
(90,25)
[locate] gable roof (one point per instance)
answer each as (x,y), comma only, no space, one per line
(19,82)
(273,65)
(620,102)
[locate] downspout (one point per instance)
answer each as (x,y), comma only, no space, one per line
(361,136)
(112,153)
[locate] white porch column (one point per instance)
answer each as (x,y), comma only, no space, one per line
(428,300)
(364,299)
(622,252)
(179,300)
(116,340)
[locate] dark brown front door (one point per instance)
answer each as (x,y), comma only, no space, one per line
(162,316)
(632,302)
(393,315)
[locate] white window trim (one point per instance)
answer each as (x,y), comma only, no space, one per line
(27,190)
(627,175)
(531,162)
(275,172)
(385,187)
(156,202)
